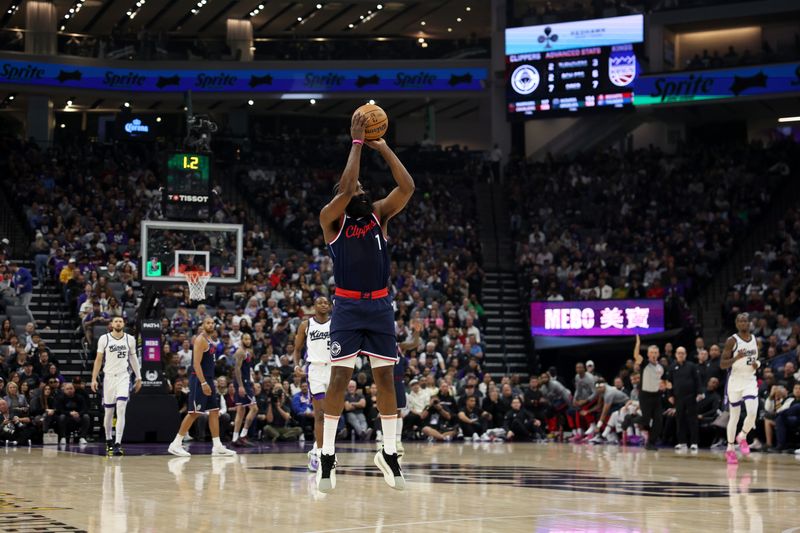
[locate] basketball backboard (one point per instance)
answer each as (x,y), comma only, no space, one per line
(170,248)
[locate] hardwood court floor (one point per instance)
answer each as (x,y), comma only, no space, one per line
(451,487)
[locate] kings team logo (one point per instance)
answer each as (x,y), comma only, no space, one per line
(622,68)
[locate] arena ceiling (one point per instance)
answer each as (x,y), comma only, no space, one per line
(271,18)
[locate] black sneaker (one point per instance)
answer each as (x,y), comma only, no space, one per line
(326,473)
(389,465)
(109,448)
(117,451)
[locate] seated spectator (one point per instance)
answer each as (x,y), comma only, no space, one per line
(42,409)
(354,405)
(18,407)
(303,409)
(778,401)
(94,318)
(471,423)
(520,425)
(787,421)
(72,414)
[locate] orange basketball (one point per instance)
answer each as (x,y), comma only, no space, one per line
(377,121)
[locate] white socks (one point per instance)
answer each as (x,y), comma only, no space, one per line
(399,428)
(389,424)
(178,440)
(108,422)
(235,437)
(243,433)
(121,406)
(217,443)
(329,434)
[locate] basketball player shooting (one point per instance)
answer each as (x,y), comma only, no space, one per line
(314,335)
(742,386)
(116,351)
(363,317)
(203,396)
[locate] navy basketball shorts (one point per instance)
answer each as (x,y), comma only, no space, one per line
(363,326)
(249,397)
(400,394)
(199,402)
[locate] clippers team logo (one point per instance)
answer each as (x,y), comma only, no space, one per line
(336,349)
(525,79)
(622,69)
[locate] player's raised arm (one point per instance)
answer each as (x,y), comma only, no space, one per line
(637,356)
(727,354)
(299,344)
(401,194)
(98,361)
(348,184)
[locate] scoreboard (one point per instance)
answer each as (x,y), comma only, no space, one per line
(187,193)
(546,83)
(570,67)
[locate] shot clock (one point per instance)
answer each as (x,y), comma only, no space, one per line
(188,190)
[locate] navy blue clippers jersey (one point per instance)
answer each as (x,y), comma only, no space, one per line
(208,360)
(247,365)
(360,255)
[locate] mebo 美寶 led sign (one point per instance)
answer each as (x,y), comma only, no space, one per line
(597,318)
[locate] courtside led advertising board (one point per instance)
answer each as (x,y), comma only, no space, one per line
(597,318)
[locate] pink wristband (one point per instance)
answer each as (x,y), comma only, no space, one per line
(358,141)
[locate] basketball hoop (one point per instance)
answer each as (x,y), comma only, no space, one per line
(197,280)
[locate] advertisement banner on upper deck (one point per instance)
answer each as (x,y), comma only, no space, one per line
(246,80)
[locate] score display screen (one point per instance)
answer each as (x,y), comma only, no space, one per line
(546,83)
(570,67)
(188,190)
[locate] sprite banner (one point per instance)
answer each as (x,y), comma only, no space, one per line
(697,86)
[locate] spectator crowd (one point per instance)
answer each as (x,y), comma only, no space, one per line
(641,224)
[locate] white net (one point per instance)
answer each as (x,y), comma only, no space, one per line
(197,284)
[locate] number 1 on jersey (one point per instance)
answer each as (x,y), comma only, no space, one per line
(378,238)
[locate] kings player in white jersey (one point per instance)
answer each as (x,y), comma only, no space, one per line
(116,351)
(315,335)
(740,357)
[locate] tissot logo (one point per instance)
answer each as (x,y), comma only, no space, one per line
(205,81)
(189,198)
(131,79)
(681,90)
(28,72)
(325,81)
(420,79)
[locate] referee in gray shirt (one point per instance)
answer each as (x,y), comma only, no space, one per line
(649,397)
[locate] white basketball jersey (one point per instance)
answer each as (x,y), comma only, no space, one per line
(742,372)
(318,341)
(116,353)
